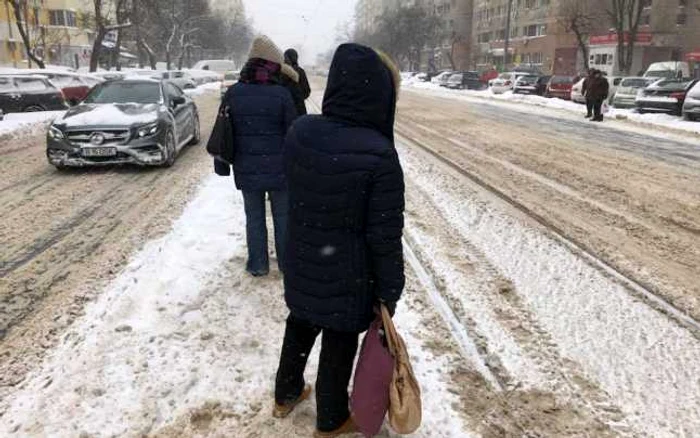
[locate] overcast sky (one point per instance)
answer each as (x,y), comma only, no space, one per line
(308,25)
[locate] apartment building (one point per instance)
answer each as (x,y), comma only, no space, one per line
(454,52)
(670,31)
(537,39)
(59,31)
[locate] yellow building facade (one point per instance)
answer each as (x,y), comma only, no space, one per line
(59,31)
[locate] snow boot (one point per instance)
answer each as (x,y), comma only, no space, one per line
(283,411)
(348,428)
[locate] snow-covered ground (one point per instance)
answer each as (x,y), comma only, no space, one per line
(558,105)
(23,121)
(183,332)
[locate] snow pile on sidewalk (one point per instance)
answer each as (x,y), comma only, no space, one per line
(184,343)
(22,121)
(652,120)
(204,89)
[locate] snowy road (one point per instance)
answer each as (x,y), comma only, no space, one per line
(65,233)
(511,332)
(633,196)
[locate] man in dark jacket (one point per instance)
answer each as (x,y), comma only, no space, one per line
(261,112)
(584,91)
(598,89)
(344,252)
(303,90)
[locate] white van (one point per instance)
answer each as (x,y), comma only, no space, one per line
(215,65)
(668,70)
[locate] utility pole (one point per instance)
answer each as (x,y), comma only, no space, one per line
(507,36)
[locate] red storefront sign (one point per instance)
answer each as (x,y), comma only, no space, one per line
(693,56)
(611,38)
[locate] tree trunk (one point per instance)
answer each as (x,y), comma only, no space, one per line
(97,49)
(17,8)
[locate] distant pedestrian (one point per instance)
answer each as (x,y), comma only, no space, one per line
(598,89)
(261,113)
(344,251)
(303,90)
(290,81)
(584,91)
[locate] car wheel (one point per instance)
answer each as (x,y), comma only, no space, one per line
(170,150)
(640,110)
(34,109)
(197,135)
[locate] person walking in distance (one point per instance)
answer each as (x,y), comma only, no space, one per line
(584,91)
(598,90)
(344,252)
(303,90)
(261,113)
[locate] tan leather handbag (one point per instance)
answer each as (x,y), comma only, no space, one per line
(405,408)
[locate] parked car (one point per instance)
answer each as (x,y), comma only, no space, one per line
(577,92)
(691,105)
(506,81)
(561,86)
(220,66)
(668,70)
(531,84)
(109,75)
(488,76)
(423,77)
(627,91)
(139,121)
(202,77)
(614,83)
(666,95)
(180,78)
(467,80)
(230,78)
(29,93)
(442,78)
(74,86)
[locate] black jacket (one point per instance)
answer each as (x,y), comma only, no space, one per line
(346,190)
(301,90)
(262,114)
(598,88)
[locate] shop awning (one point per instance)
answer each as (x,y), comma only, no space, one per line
(693,56)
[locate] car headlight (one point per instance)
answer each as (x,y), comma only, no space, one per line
(148,130)
(56,133)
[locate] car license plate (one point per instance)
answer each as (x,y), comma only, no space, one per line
(99,152)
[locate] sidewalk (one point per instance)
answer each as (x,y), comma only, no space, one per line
(660,122)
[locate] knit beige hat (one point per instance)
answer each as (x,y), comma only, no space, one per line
(289,71)
(264,48)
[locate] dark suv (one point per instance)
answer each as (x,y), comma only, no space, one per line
(22,93)
(139,121)
(468,80)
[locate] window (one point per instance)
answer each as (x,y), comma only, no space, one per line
(172,90)
(682,3)
(530,4)
(681,19)
(646,19)
(62,18)
(7,85)
(535,30)
(31,84)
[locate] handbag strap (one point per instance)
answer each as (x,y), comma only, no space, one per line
(392,337)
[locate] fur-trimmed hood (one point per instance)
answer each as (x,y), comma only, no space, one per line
(362,88)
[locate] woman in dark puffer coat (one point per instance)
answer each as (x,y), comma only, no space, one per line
(262,111)
(344,251)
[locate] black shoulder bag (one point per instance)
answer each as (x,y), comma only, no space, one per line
(222,144)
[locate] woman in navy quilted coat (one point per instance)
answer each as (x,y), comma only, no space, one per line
(344,253)
(262,111)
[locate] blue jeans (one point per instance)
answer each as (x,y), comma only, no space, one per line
(256,229)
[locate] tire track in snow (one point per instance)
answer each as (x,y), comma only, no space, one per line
(639,288)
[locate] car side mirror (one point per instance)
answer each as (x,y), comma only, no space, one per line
(179,100)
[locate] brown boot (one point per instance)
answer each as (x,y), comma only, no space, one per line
(283,411)
(347,428)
